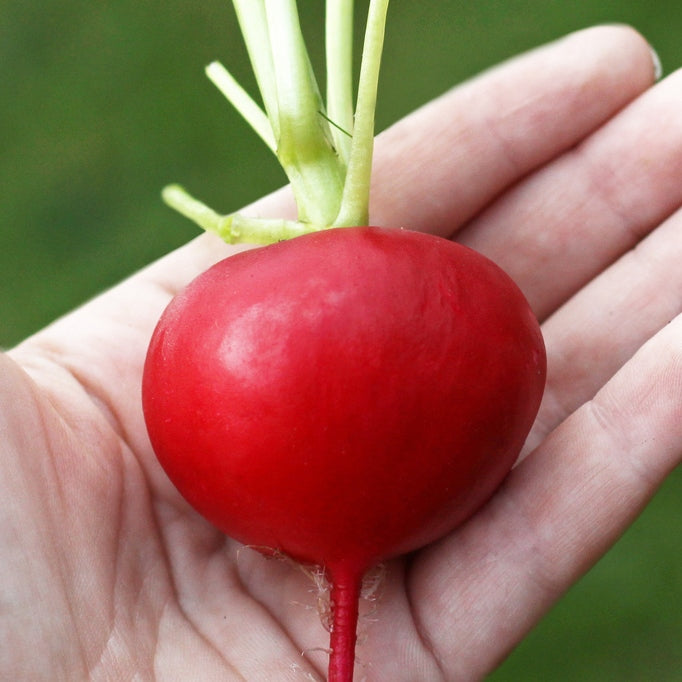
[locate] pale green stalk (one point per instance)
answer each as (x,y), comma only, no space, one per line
(329,169)
(339,61)
(242,102)
(233,228)
(254,27)
(355,202)
(304,146)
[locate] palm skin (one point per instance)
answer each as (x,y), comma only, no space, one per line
(551,166)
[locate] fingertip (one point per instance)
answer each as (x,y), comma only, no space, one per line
(629,46)
(652,65)
(650,59)
(658,67)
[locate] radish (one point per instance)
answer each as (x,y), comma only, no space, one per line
(345,395)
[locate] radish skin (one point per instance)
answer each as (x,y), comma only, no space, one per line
(343,398)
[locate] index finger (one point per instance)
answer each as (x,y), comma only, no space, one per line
(439,167)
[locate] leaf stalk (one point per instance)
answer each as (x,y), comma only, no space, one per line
(325,148)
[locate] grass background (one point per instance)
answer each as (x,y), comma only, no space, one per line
(101,104)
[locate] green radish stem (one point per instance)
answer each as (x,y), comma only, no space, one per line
(355,201)
(324,148)
(304,145)
(339,60)
(242,102)
(233,228)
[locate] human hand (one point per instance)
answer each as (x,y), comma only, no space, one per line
(551,166)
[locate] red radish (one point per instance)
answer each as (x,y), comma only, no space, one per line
(348,395)
(343,409)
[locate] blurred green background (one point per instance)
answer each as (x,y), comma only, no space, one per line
(101,104)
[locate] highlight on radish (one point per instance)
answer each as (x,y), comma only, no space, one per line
(343,394)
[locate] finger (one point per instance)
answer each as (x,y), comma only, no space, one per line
(440,166)
(559,228)
(600,328)
(556,514)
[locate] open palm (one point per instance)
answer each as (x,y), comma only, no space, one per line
(563,166)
